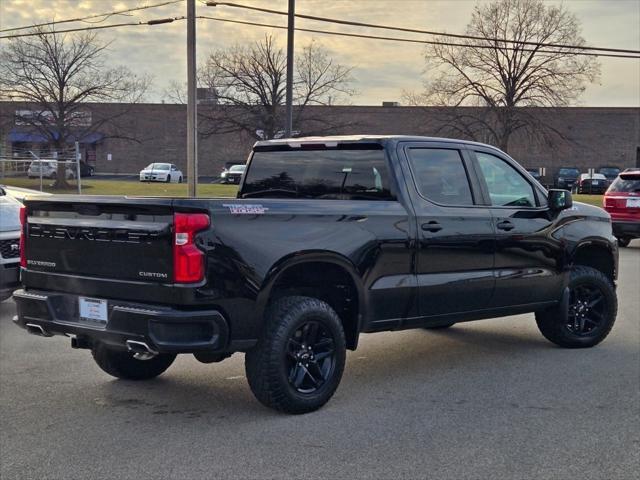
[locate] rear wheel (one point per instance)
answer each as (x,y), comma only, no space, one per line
(590,314)
(623,241)
(298,363)
(123,364)
(180,180)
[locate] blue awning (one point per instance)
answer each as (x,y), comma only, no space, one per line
(35,137)
(26,137)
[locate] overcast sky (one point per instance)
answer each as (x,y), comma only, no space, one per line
(382,70)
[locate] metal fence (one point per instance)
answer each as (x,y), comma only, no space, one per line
(41,164)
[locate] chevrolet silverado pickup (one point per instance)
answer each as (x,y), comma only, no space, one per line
(328,238)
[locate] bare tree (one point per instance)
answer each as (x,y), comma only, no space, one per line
(498,77)
(249,82)
(55,75)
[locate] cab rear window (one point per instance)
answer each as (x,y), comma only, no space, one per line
(330,174)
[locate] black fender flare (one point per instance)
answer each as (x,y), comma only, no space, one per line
(308,256)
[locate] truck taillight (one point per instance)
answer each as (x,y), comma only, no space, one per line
(23,232)
(188,260)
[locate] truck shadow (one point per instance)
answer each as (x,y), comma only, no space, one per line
(400,360)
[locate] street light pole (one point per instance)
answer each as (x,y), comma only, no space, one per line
(290,30)
(192,125)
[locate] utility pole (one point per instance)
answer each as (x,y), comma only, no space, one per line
(290,30)
(192,125)
(76,154)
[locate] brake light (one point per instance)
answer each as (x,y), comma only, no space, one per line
(23,232)
(188,260)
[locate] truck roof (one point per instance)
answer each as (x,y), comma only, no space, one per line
(333,140)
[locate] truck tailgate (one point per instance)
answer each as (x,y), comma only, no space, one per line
(120,238)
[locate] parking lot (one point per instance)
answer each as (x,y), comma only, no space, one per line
(490,399)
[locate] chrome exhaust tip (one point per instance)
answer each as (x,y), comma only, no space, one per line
(140,350)
(35,329)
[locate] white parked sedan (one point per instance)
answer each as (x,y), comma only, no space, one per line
(161,172)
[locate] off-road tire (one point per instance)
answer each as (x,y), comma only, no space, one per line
(266,364)
(121,364)
(553,322)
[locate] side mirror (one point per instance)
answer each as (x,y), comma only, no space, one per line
(560,199)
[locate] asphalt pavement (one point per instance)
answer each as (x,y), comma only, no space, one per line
(483,400)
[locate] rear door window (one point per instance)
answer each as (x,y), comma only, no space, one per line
(440,176)
(336,174)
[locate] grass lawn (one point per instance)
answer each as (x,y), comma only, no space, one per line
(590,199)
(118,187)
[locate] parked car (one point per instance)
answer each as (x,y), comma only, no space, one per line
(20,193)
(233,174)
(9,244)
(535,173)
(610,172)
(622,201)
(49,169)
(328,237)
(161,172)
(595,184)
(566,177)
(86,170)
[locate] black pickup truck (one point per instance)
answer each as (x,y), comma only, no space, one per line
(328,238)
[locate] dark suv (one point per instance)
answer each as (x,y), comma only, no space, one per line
(566,178)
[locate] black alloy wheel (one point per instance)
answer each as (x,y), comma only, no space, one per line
(586,314)
(298,362)
(587,309)
(310,357)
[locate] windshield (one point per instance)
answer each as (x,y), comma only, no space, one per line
(237,168)
(569,172)
(157,166)
(626,183)
(610,171)
(357,174)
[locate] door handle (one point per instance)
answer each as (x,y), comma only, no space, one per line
(431,226)
(505,225)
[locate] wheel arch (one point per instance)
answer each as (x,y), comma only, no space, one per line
(597,254)
(326,275)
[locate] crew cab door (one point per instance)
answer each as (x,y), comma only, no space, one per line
(527,262)
(456,236)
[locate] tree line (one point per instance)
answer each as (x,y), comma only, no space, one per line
(57,74)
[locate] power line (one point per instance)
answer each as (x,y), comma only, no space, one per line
(412,30)
(99,27)
(411,40)
(322,32)
(98,15)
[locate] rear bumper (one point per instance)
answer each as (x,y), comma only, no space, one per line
(164,329)
(626,229)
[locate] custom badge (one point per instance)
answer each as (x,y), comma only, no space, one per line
(245,209)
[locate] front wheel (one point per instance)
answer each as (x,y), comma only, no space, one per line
(123,364)
(168,179)
(588,316)
(298,362)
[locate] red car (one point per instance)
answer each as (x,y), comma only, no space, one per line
(622,201)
